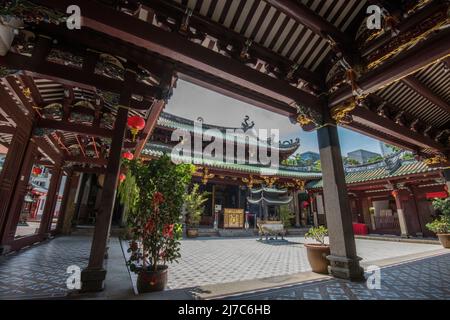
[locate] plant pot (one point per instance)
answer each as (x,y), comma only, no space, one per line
(317,256)
(444,238)
(151,281)
(192,232)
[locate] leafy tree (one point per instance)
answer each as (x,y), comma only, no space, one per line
(154,195)
(393,148)
(375,159)
(351,162)
(318,165)
(286,216)
(408,156)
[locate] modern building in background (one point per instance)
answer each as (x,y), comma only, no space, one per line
(362,156)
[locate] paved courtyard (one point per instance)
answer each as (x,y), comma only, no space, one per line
(41,271)
(221,260)
(425,279)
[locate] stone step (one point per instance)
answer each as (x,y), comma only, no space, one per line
(204,232)
(300,232)
(237,233)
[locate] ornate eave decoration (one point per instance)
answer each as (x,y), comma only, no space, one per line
(249,181)
(30,12)
(408,39)
(308,118)
(342,113)
(270,181)
(437,160)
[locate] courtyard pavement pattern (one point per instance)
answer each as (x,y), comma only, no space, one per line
(222,260)
(41,271)
(424,279)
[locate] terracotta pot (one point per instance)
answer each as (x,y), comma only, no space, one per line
(444,238)
(317,256)
(151,281)
(192,232)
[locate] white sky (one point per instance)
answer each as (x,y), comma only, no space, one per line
(191,101)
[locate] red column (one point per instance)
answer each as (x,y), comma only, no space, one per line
(400,212)
(94,275)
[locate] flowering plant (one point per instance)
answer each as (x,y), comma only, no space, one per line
(153,195)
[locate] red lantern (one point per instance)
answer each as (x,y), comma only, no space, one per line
(135,124)
(305,204)
(37,171)
(128,155)
(122,177)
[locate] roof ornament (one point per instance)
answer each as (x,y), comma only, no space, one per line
(246,125)
(185,23)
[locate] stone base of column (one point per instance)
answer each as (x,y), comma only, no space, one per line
(93,280)
(345,268)
(5,250)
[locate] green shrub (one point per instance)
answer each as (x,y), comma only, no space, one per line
(318,234)
(286,216)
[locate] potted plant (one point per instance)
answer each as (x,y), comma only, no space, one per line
(153,192)
(441,225)
(318,252)
(194,206)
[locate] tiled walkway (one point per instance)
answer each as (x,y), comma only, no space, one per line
(425,279)
(222,260)
(41,271)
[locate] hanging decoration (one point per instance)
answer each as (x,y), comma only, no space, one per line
(128,155)
(36,171)
(135,124)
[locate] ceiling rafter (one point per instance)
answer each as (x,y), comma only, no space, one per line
(222,33)
(304,15)
(177,49)
(424,91)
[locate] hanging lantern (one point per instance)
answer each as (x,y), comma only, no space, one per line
(135,124)
(305,204)
(122,178)
(128,155)
(37,171)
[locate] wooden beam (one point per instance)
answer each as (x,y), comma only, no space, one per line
(7,129)
(383,125)
(421,56)
(73,77)
(305,16)
(425,92)
(176,48)
(227,35)
(86,160)
(75,128)
(152,119)
(99,170)
(407,24)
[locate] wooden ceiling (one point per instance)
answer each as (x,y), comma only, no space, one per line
(276,54)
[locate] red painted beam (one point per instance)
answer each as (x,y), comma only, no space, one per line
(387,126)
(75,128)
(72,76)
(176,48)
